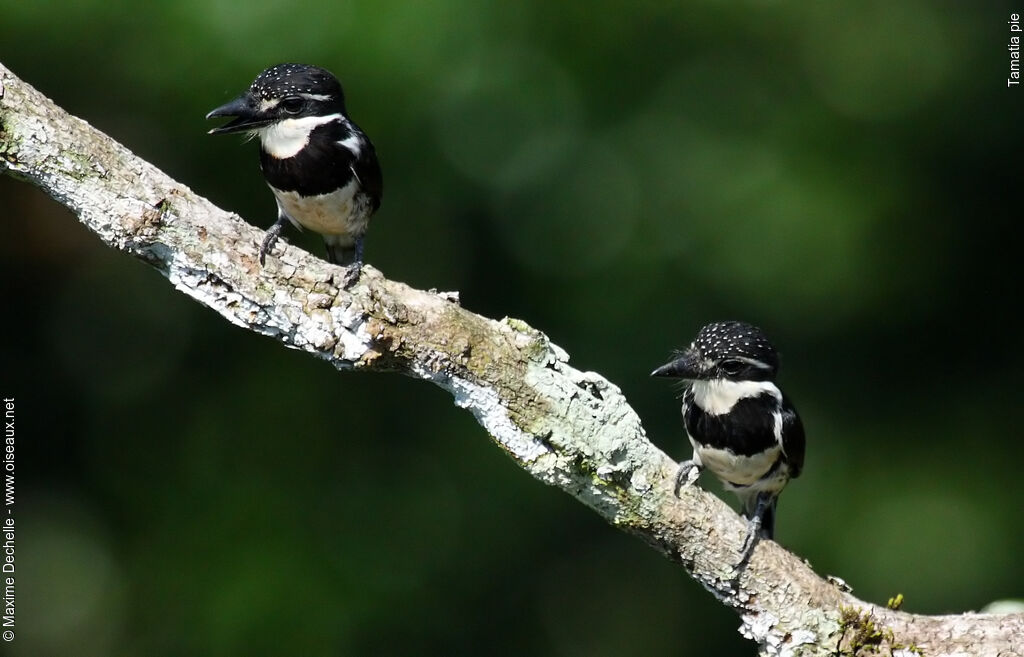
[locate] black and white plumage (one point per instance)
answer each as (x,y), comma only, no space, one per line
(739,423)
(321,167)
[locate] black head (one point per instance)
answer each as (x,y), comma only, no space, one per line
(285,91)
(725,350)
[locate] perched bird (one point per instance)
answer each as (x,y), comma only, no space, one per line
(321,167)
(741,426)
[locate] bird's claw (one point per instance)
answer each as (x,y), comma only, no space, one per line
(753,533)
(268,243)
(754,529)
(273,233)
(352,273)
(686,475)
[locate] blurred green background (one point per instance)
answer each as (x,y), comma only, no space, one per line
(846,175)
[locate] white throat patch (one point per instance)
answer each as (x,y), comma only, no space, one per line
(286,138)
(718,396)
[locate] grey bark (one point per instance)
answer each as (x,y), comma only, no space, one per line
(568,428)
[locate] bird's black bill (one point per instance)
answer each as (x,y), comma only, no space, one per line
(684,367)
(246,117)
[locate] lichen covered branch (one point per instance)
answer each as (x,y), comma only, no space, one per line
(569,428)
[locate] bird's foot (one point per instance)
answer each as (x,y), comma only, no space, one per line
(686,475)
(753,533)
(269,241)
(352,273)
(754,526)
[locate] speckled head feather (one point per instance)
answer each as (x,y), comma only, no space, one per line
(287,79)
(722,340)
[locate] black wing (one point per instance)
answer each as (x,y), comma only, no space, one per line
(367,170)
(793,439)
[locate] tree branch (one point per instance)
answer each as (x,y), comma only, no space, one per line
(567,428)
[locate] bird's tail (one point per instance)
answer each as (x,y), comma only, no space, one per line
(767,519)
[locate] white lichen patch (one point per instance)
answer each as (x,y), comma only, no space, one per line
(354,340)
(763,627)
(219,260)
(195,283)
(640,481)
(316,330)
(759,627)
(485,404)
(799,638)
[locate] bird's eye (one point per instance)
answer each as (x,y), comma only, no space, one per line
(732,367)
(292,104)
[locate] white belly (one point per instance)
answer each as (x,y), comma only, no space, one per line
(735,469)
(339,213)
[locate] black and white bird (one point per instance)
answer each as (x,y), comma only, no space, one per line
(321,167)
(739,423)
